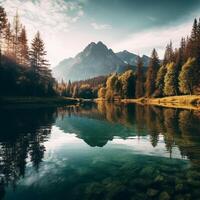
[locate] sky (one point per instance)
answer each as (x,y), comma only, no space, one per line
(68,26)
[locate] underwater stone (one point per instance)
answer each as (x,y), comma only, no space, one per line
(152,192)
(164,196)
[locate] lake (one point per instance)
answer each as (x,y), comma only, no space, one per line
(99,152)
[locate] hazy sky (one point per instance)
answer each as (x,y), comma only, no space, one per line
(67,26)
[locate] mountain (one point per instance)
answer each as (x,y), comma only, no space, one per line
(95,60)
(131,58)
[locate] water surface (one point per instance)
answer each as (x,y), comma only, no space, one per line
(102,151)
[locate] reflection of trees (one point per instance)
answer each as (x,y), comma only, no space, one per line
(178,127)
(23,132)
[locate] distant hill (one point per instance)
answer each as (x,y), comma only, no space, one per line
(95,60)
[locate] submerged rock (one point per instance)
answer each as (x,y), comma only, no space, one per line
(152,192)
(164,196)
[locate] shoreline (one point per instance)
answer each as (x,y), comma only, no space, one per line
(184,102)
(44,101)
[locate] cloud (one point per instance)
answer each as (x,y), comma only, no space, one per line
(145,41)
(53,18)
(100,26)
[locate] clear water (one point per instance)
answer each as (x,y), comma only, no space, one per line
(102,151)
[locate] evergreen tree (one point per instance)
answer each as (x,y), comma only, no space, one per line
(39,65)
(153,68)
(8,41)
(3,25)
(186,77)
(24,51)
(170,80)
(16,33)
(169,54)
(160,83)
(68,89)
(139,89)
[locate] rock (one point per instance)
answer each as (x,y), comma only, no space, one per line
(179,187)
(159,178)
(152,192)
(164,196)
(147,171)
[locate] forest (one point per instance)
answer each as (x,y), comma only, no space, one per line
(177,74)
(25,71)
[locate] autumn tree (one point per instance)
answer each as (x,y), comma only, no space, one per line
(170,80)
(111,87)
(186,77)
(102,92)
(127,80)
(152,71)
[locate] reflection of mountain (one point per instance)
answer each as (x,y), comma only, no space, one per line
(23,132)
(99,124)
(95,132)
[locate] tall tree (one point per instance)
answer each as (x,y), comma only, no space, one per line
(127,80)
(153,68)
(186,77)
(169,54)
(39,65)
(139,88)
(16,33)
(8,41)
(170,80)
(160,83)
(3,24)
(23,51)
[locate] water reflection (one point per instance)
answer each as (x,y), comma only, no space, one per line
(111,172)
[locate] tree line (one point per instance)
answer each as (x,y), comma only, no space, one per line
(87,89)
(24,70)
(177,74)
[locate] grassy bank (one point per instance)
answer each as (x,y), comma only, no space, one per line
(38,100)
(186,101)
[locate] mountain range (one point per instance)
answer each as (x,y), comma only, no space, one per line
(96,60)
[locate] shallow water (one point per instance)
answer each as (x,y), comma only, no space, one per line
(102,151)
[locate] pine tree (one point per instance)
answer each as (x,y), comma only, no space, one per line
(68,89)
(169,54)
(23,50)
(3,24)
(170,80)
(153,68)
(8,41)
(160,83)
(139,88)
(37,55)
(16,33)
(39,65)
(186,77)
